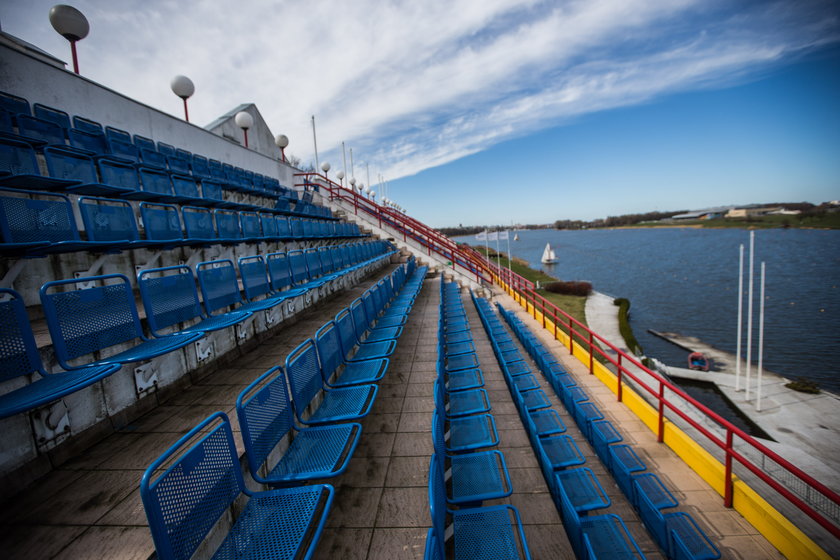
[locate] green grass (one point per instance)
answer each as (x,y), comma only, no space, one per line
(828,220)
(573,305)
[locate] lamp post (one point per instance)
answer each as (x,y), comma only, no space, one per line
(281,141)
(340,176)
(244,121)
(71,24)
(326,169)
(183,88)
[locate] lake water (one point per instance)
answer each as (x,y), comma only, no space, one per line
(685,280)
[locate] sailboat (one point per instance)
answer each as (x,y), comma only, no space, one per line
(548,256)
(516,237)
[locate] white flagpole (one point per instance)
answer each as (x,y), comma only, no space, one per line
(740,318)
(315,142)
(760,341)
(344,159)
(749,319)
(352,172)
(498,258)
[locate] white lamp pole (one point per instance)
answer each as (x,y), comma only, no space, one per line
(281,141)
(340,176)
(244,121)
(325,167)
(183,88)
(71,24)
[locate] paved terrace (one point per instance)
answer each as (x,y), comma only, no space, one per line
(90,507)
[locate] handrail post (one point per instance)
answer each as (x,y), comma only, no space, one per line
(571,337)
(660,435)
(620,378)
(591,354)
(727,483)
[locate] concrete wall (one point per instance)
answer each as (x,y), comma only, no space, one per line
(38,82)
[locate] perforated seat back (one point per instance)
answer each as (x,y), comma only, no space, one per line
(329,348)
(211,190)
(252,270)
(304,374)
(49,217)
(155,181)
(268,224)
(17,158)
(18,351)
(278,271)
(87,125)
(112,133)
(283,227)
(360,320)
(185,186)
(250,225)
(227,223)
(107,219)
(89,141)
(219,287)
(198,223)
(145,143)
(313,263)
(118,174)
(346,332)
(297,266)
(14,104)
(53,115)
(33,127)
(83,321)
(265,416)
(169,296)
(123,150)
(65,164)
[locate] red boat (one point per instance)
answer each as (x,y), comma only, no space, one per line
(696,360)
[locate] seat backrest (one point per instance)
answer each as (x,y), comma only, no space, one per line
(651,516)
(117,134)
(304,375)
(169,296)
(265,416)
(27,217)
(437,496)
(268,224)
(296,226)
(123,150)
(166,149)
(70,164)
(219,287)
(152,158)
(283,228)
(178,164)
(53,115)
(89,141)
(360,319)
(254,276)
(182,153)
(85,320)
(250,225)
(107,219)
(437,433)
(199,166)
(227,222)
(278,271)
(329,348)
(570,520)
(33,127)
(370,304)
(18,351)
(198,222)
(17,158)
(282,204)
(297,265)
(14,104)
(155,181)
(191,486)
(346,331)
(185,186)
(145,143)
(211,190)
(313,263)
(87,125)
(306,228)
(161,221)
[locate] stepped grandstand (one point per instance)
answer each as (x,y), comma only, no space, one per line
(209,353)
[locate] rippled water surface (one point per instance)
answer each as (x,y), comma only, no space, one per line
(686,281)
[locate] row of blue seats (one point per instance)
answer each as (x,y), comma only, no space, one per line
(203,478)
(575,488)
(42,126)
(34,224)
(461,476)
(73,172)
(89,316)
(677,534)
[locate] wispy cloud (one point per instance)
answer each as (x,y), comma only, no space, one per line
(412,85)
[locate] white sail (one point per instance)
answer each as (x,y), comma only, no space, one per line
(548,255)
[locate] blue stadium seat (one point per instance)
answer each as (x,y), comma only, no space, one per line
(220,289)
(267,419)
(53,115)
(87,125)
(306,382)
(19,168)
(162,223)
(87,320)
(112,133)
(91,143)
(145,143)
(14,104)
(111,221)
(19,359)
(336,370)
(254,273)
(39,132)
(281,275)
(63,163)
(199,225)
(200,475)
(170,299)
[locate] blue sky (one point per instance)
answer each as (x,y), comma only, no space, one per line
(492,111)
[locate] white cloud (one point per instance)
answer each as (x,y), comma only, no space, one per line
(412,85)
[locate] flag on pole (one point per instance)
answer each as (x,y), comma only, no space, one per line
(493,236)
(503,235)
(481,236)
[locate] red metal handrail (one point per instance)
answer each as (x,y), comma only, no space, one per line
(406,226)
(584,334)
